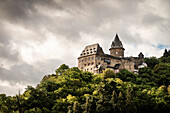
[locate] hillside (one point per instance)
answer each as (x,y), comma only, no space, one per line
(72,90)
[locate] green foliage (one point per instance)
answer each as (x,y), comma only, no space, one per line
(74,91)
(151,62)
(61,69)
(107,73)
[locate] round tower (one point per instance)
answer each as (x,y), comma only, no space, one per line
(117,47)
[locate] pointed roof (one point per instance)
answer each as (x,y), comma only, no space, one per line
(116,43)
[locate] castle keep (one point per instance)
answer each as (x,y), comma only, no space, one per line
(94,60)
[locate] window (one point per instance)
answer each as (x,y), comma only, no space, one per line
(86,59)
(92,57)
(98,58)
(82,61)
(99,63)
(89,58)
(91,69)
(92,63)
(88,64)
(84,64)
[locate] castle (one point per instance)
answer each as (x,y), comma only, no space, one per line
(94,60)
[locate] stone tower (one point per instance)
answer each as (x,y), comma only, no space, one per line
(117,47)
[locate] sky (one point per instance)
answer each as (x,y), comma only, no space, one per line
(37,36)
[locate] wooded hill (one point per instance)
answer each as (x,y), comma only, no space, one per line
(70,90)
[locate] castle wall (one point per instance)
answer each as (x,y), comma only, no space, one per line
(97,63)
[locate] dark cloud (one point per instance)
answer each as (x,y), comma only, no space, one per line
(29,73)
(69,19)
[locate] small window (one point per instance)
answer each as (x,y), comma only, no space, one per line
(87,52)
(89,58)
(84,64)
(99,63)
(91,69)
(98,58)
(88,64)
(92,63)
(86,59)
(92,57)
(87,69)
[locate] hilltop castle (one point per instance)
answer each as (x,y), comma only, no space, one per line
(94,60)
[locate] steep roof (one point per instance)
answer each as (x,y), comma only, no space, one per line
(92,49)
(116,43)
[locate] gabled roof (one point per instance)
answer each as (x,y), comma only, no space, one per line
(116,43)
(92,49)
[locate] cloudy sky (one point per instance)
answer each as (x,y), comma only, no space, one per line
(37,36)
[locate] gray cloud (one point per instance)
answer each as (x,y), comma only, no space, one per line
(138,23)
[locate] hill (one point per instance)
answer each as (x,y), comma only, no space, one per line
(71,90)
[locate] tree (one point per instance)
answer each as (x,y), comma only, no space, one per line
(107,73)
(151,62)
(75,107)
(61,69)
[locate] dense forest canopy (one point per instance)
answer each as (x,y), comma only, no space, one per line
(71,90)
